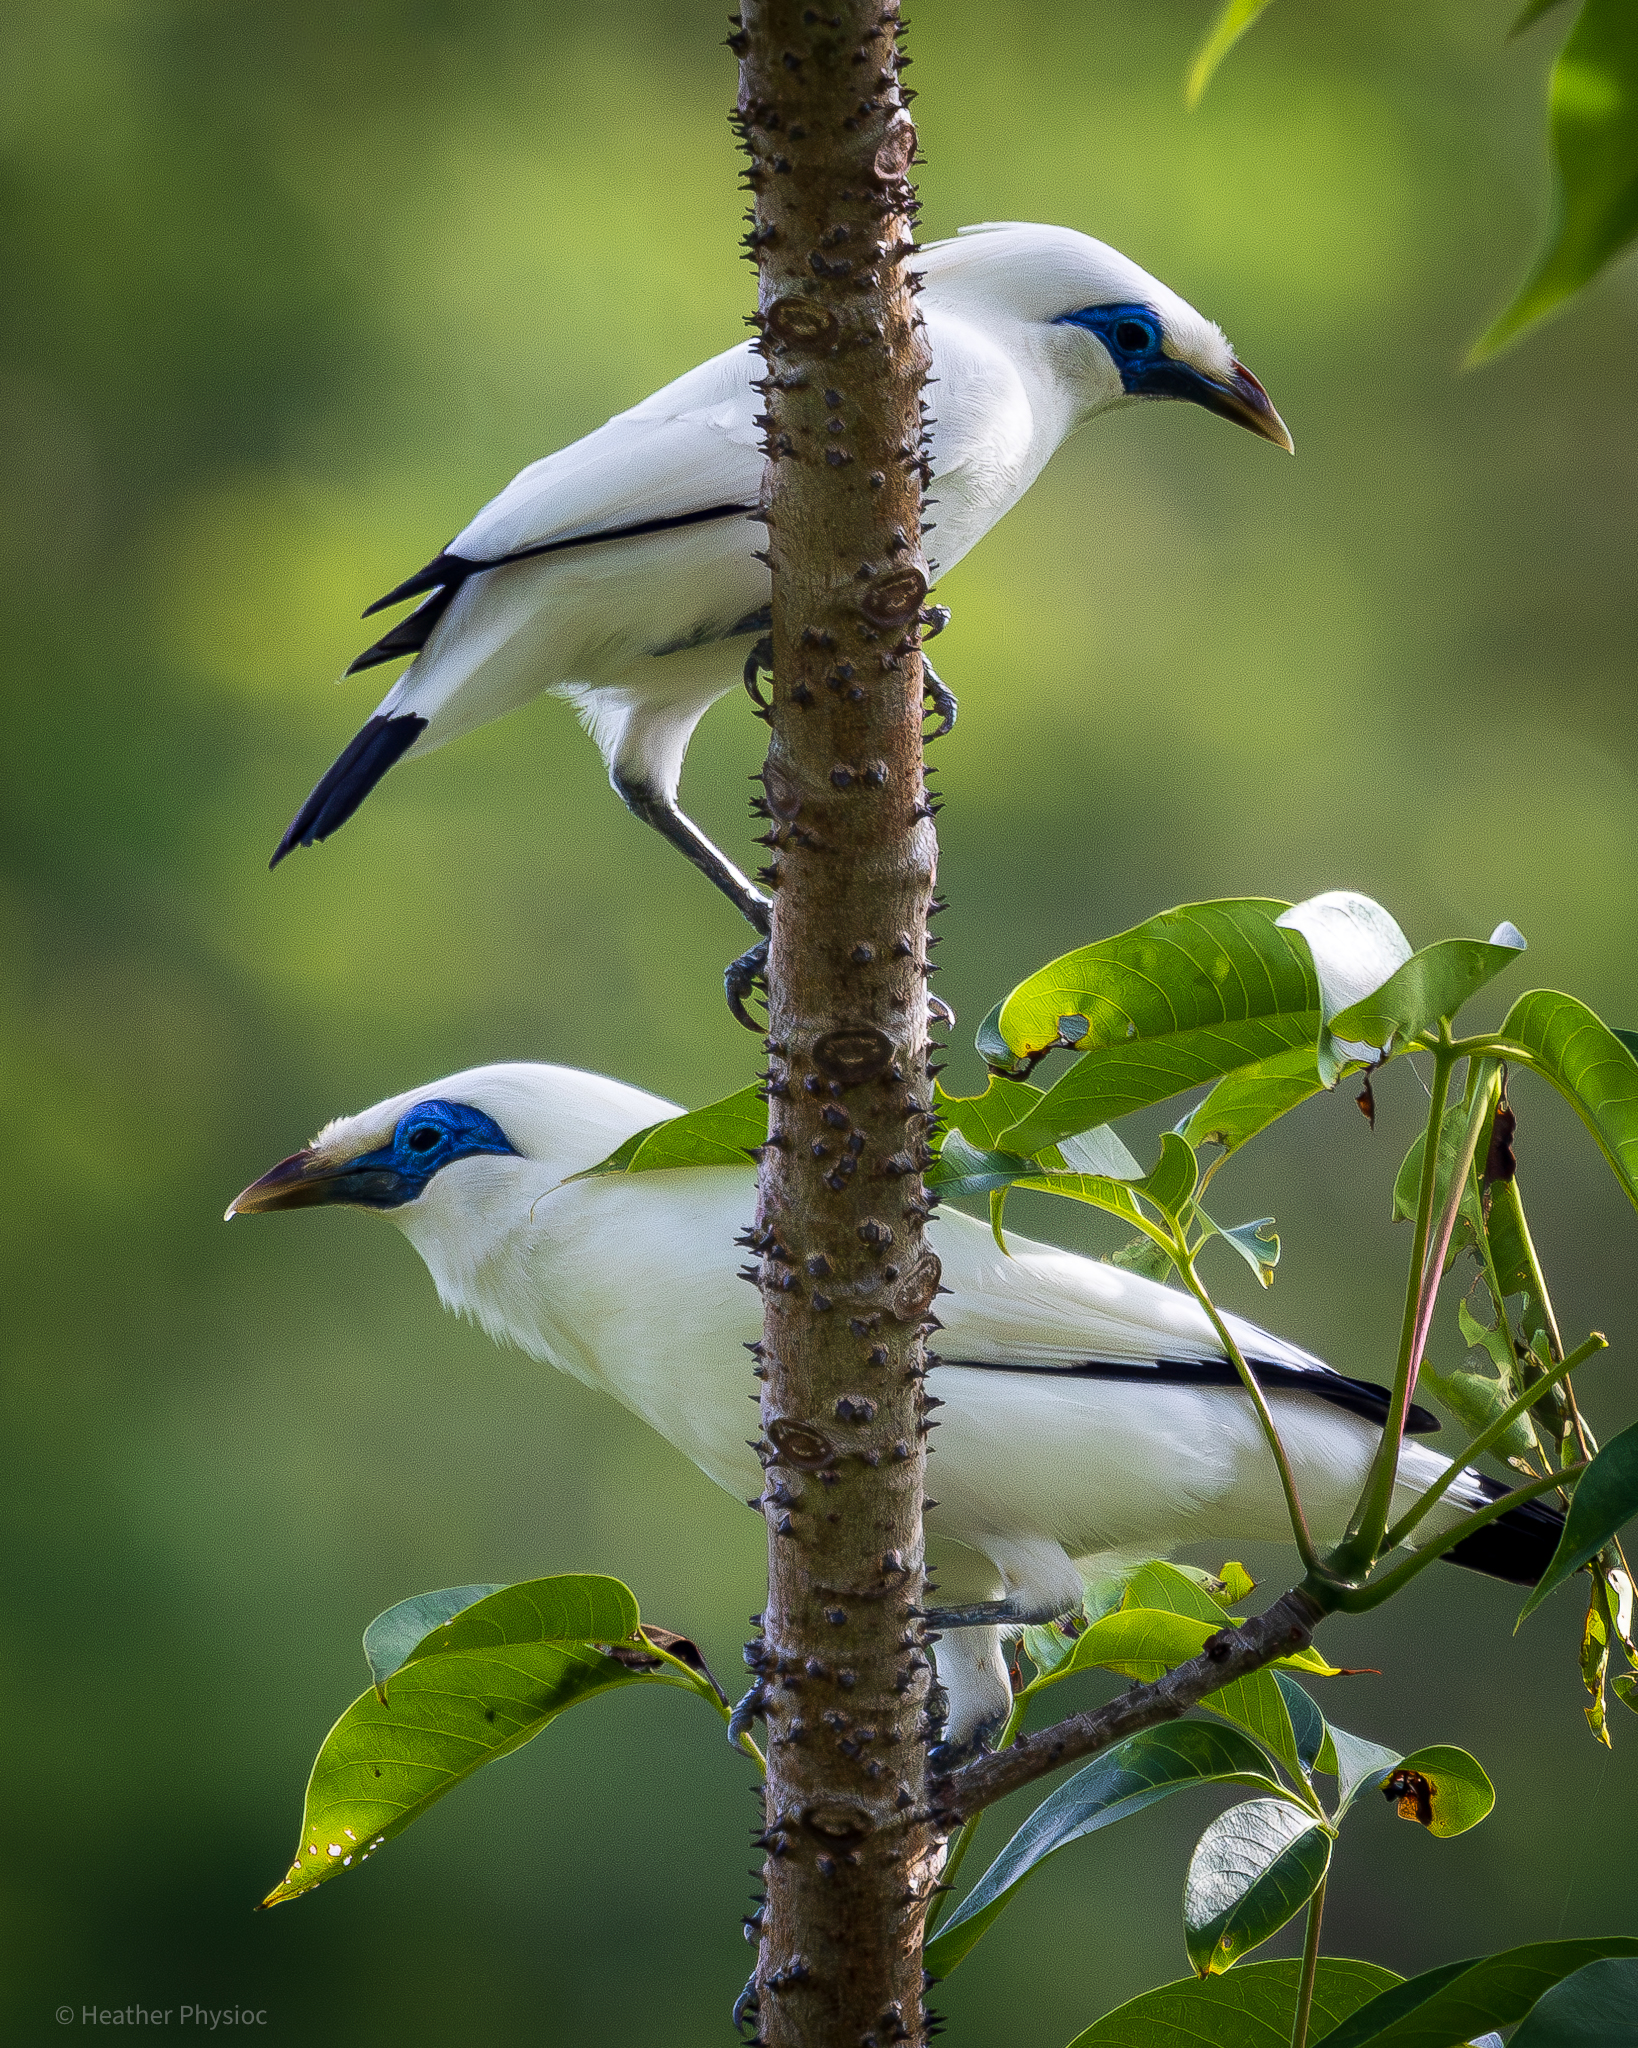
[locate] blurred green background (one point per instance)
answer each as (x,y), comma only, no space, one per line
(290,289)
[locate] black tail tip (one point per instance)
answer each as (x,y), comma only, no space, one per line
(368,756)
(1517,1547)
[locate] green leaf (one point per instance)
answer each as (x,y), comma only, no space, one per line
(1256,1702)
(991,1047)
(1592,118)
(1134,1774)
(982,1118)
(1145,1257)
(1476,1401)
(392,1637)
(1589,1065)
(1432,985)
(1252,2007)
(962,1168)
(1604,1501)
(1462,1793)
(479,1685)
(1231,24)
(1257,1243)
(1456,2001)
(1595,2008)
(721,1134)
(1250,1099)
(1358,1763)
(1355,946)
(1307,1722)
(1181,999)
(1252,1869)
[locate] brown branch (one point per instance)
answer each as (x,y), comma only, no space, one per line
(847,1279)
(1232,1653)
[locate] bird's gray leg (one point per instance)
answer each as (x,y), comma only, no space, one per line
(745,973)
(941,701)
(1012,1613)
(662,813)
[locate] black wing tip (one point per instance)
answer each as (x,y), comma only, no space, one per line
(1518,1546)
(344,786)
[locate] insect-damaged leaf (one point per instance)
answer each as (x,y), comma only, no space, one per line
(1124,1780)
(721,1134)
(1604,1501)
(1252,1869)
(1252,2007)
(479,1685)
(1181,999)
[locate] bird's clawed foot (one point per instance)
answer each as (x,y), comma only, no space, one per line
(941,703)
(759,661)
(744,977)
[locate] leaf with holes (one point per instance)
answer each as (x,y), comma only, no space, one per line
(1181,999)
(485,1680)
(1124,1780)
(1253,1868)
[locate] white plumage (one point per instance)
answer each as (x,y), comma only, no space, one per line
(1051,1467)
(621,573)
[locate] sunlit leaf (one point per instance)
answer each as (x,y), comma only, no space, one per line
(1125,1779)
(721,1134)
(1593,124)
(1588,1064)
(982,1118)
(1462,1793)
(1179,1000)
(1597,2007)
(1252,1869)
(1257,1243)
(1604,1501)
(1457,2001)
(1355,946)
(1250,1099)
(1430,986)
(1255,1702)
(1231,24)
(481,1684)
(1252,2007)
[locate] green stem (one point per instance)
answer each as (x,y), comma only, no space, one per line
(1360,1599)
(1288,1479)
(952,1868)
(1310,1967)
(1482,1087)
(1492,1434)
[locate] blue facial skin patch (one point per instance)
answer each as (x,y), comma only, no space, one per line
(429,1137)
(1132,335)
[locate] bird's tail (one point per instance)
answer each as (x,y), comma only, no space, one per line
(344,787)
(1517,1546)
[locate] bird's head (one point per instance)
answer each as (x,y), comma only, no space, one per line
(460,1164)
(1111,333)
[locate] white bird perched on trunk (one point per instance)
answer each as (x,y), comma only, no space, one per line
(1090,1417)
(623,572)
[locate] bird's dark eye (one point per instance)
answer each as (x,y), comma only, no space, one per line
(1133,336)
(425,1138)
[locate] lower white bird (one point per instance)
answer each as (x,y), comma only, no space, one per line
(622,573)
(1090,1417)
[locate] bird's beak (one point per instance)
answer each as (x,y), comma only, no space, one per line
(304,1181)
(1243,400)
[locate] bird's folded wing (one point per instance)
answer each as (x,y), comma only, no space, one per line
(691,449)
(1050,1312)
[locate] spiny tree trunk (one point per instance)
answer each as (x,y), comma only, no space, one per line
(847,1276)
